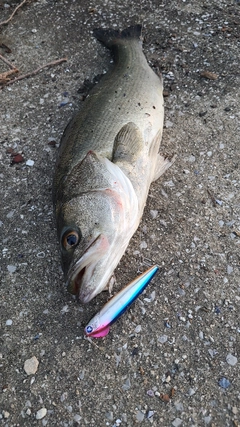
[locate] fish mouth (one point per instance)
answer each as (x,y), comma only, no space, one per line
(80,275)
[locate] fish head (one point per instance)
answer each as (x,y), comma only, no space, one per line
(94,229)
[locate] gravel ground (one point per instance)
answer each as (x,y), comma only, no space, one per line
(173,358)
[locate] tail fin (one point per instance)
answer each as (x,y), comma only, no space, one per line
(110,37)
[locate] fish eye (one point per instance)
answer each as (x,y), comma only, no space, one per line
(89,329)
(70,239)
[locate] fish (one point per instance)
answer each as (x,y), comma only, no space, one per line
(99,325)
(107,159)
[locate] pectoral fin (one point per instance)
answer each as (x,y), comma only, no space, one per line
(128,144)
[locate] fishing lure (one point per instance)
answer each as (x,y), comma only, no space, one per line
(99,325)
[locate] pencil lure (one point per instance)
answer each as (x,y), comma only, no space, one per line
(99,325)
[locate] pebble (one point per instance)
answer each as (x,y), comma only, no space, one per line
(229,269)
(168,124)
(179,406)
(30,162)
(177,422)
(109,415)
(191,391)
(6,414)
(208,419)
(192,159)
(41,413)
(138,329)
(231,360)
(140,416)
(150,414)
(162,339)
(9,322)
(153,214)
(224,382)
(127,385)
(31,366)
(77,418)
(11,268)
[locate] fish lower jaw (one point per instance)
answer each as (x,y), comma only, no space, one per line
(79,278)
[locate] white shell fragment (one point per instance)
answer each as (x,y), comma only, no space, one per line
(231,360)
(30,162)
(31,366)
(41,413)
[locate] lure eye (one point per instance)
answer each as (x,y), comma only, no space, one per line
(89,329)
(70,239)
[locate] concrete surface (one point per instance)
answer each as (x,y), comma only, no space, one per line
(173,359)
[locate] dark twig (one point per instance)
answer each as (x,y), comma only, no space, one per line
(33,73)
(12,15)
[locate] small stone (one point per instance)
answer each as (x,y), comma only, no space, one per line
(150,414)
(5,414)
(208,419)
(140,416)
(153,213)
(138,329)
(30,162)
(168,124)
(127,385)
(9,322)
(162,339)
(77,418)
(224,382)
(231,360)
(191,391)
(109,415)
(177,422)
(192,158)
(234,410)
(11,268)
(28,411)
(41,413)
(143,245)
(31,366)
(229,269)
(179,406)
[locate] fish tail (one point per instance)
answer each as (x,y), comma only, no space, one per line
(111,37)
